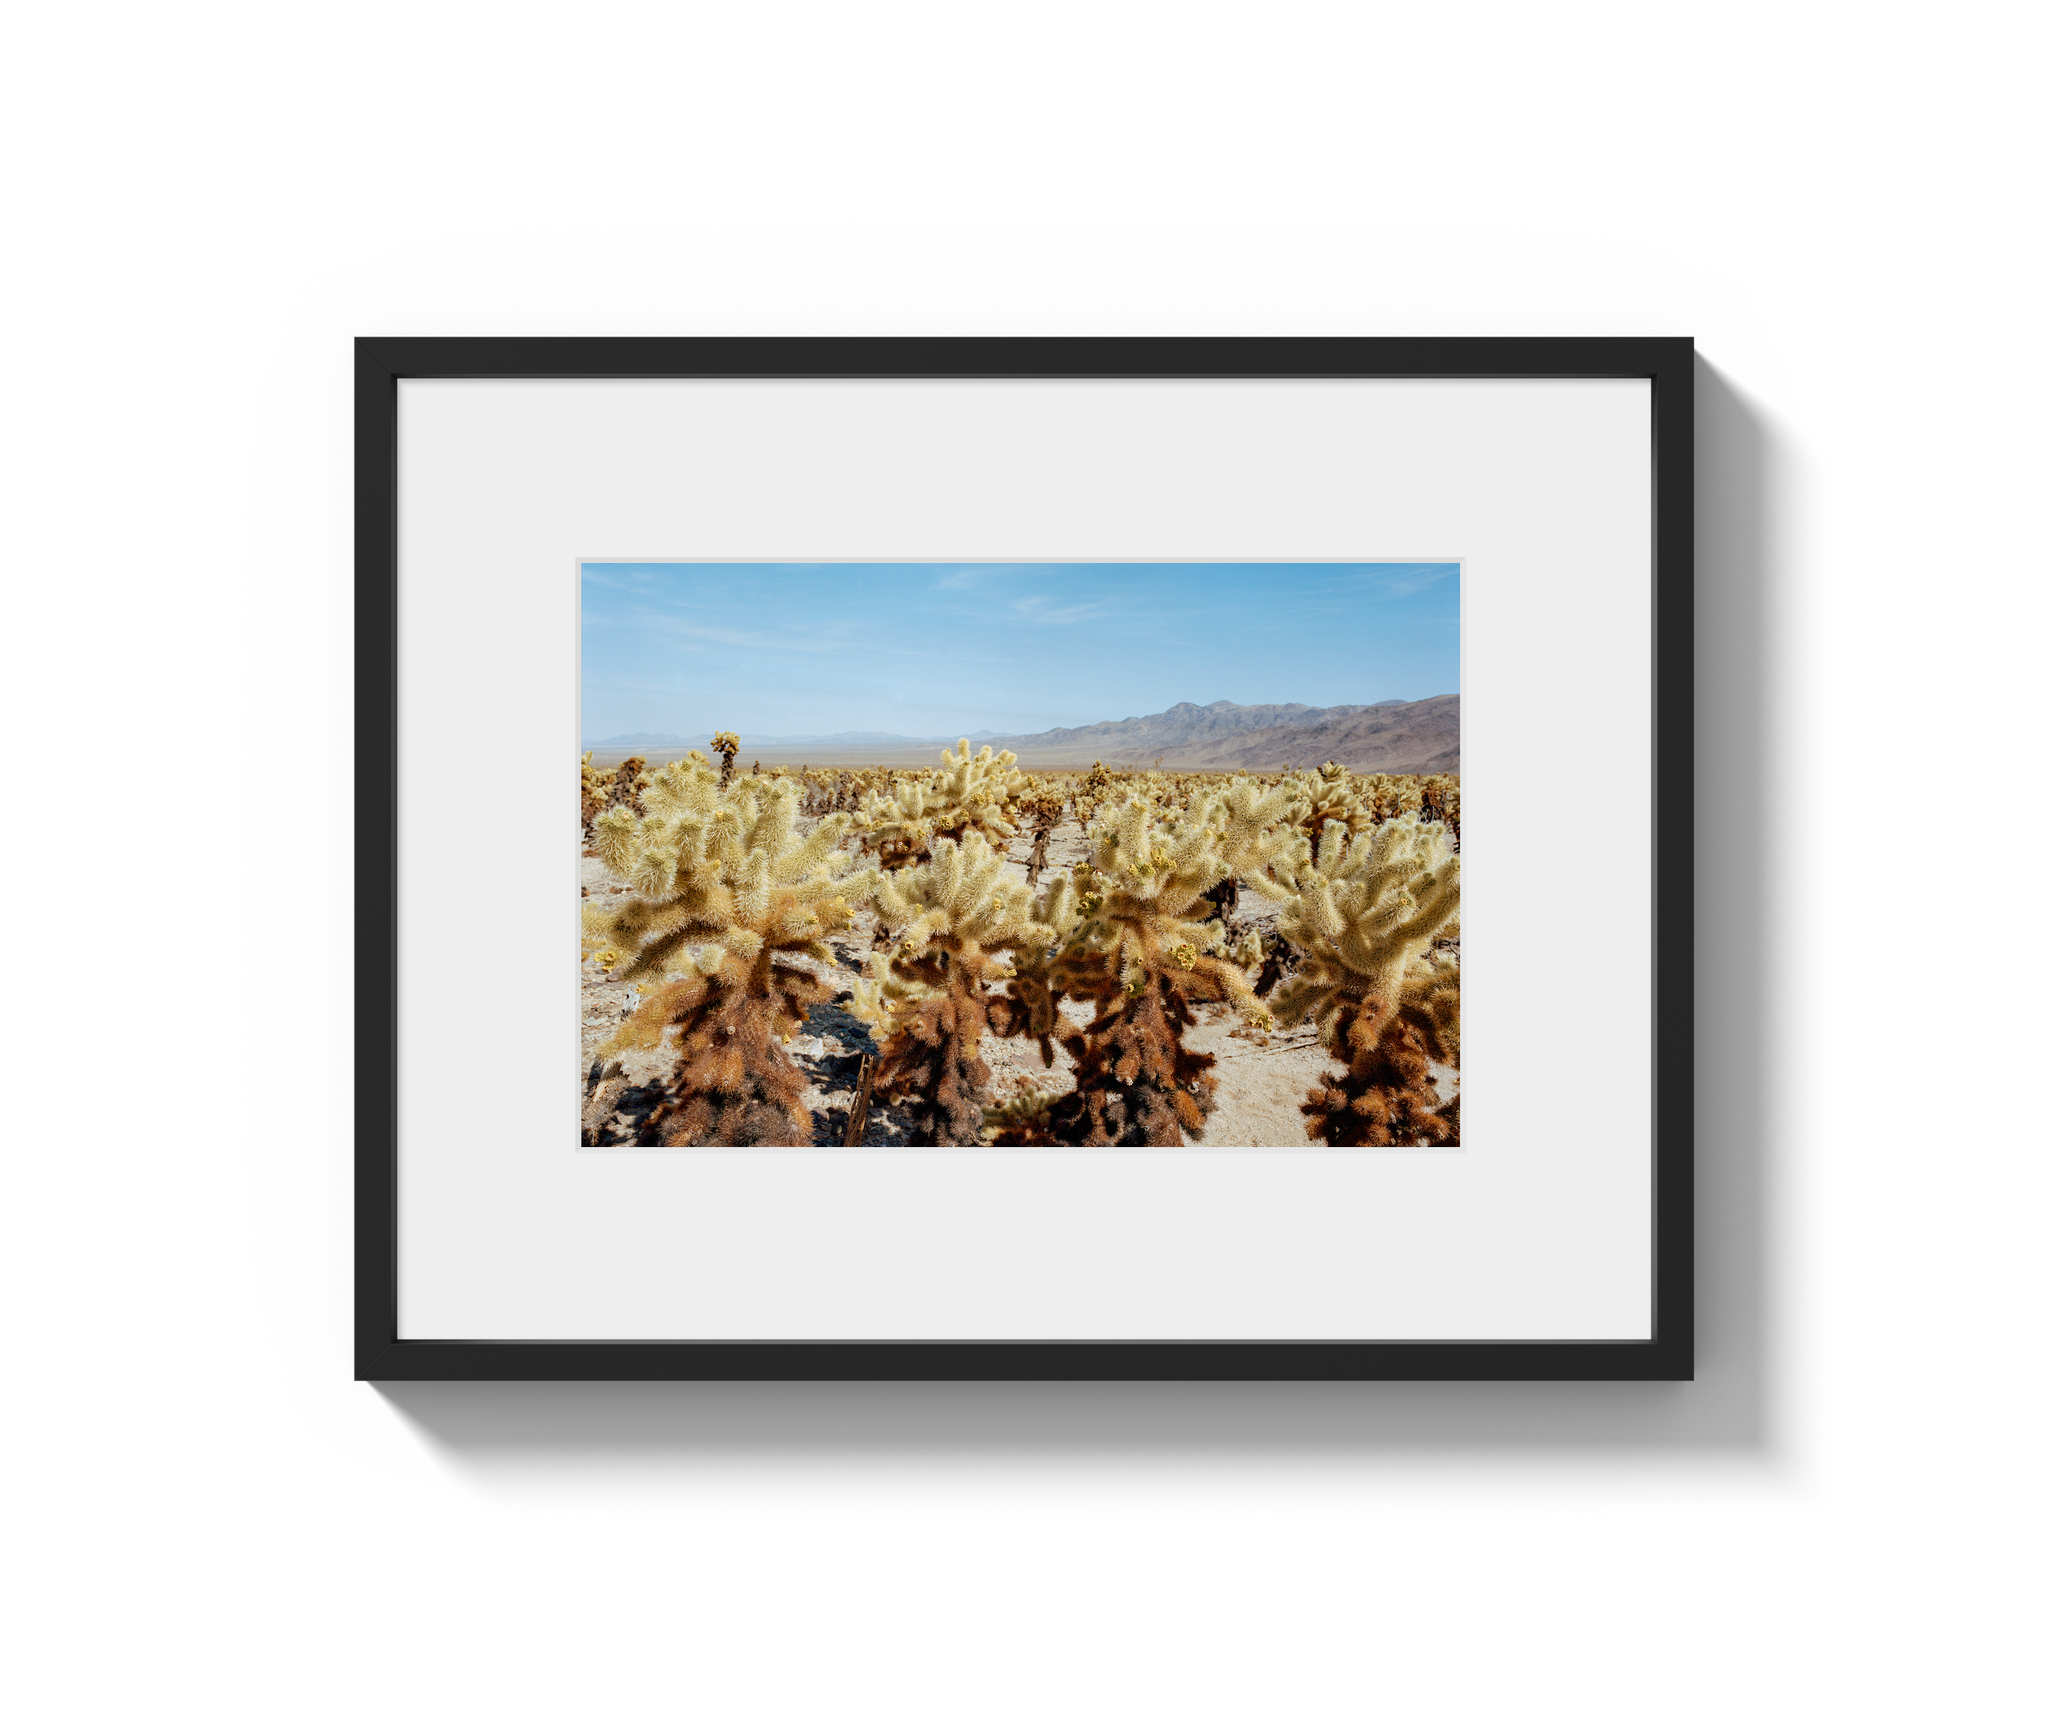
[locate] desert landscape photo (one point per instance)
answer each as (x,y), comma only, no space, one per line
(923,854)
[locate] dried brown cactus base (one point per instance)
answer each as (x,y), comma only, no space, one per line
(932,1066)
(1141,1114)
(1039,1129)
(1386,1097)
(769,1110)
(1136,1083)
(735,1083)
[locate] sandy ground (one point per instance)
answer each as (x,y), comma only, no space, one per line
(1261,1077)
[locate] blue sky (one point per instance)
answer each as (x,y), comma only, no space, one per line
(939,648)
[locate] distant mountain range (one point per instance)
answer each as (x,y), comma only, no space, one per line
(1399,737)
(1394,736)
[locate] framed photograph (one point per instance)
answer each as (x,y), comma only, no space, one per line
(990,752)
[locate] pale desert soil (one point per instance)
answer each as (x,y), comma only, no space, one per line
(1261,1078)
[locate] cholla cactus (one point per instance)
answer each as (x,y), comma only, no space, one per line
(628,779)
(1043,802)
(1440,800)
(594,794)
(1366,914)
(968,793)
(1329,795)
(1031,1010)
(927,997)
(1248,951)
(722,885)
(727,745)
(1392,796)
(1145,950)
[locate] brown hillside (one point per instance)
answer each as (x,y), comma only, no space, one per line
(1397,738)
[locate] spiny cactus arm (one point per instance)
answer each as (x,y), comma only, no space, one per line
(915,932)
(1013,935)
(753,889)
(992,918)
(899,908)
(653,937)
(988,774)
(769,816)
(664,1004)
(1402,927)
(1057,906)
(829,880)
(1431,998)
(687,787)
(1279,887)
(1311,917)
(615,838)
(988,819)
(1252,820)
(1312,994)
(819,848)
(882,998)
(647,1026)
(798,927)
(985,906)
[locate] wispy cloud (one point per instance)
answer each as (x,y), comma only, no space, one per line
(673,626)
(1406,581)
(979,577)
(624,579)
(1041,611)
(845,640)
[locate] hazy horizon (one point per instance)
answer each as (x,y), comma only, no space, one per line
(949,648)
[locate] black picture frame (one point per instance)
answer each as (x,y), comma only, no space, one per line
(381,363)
